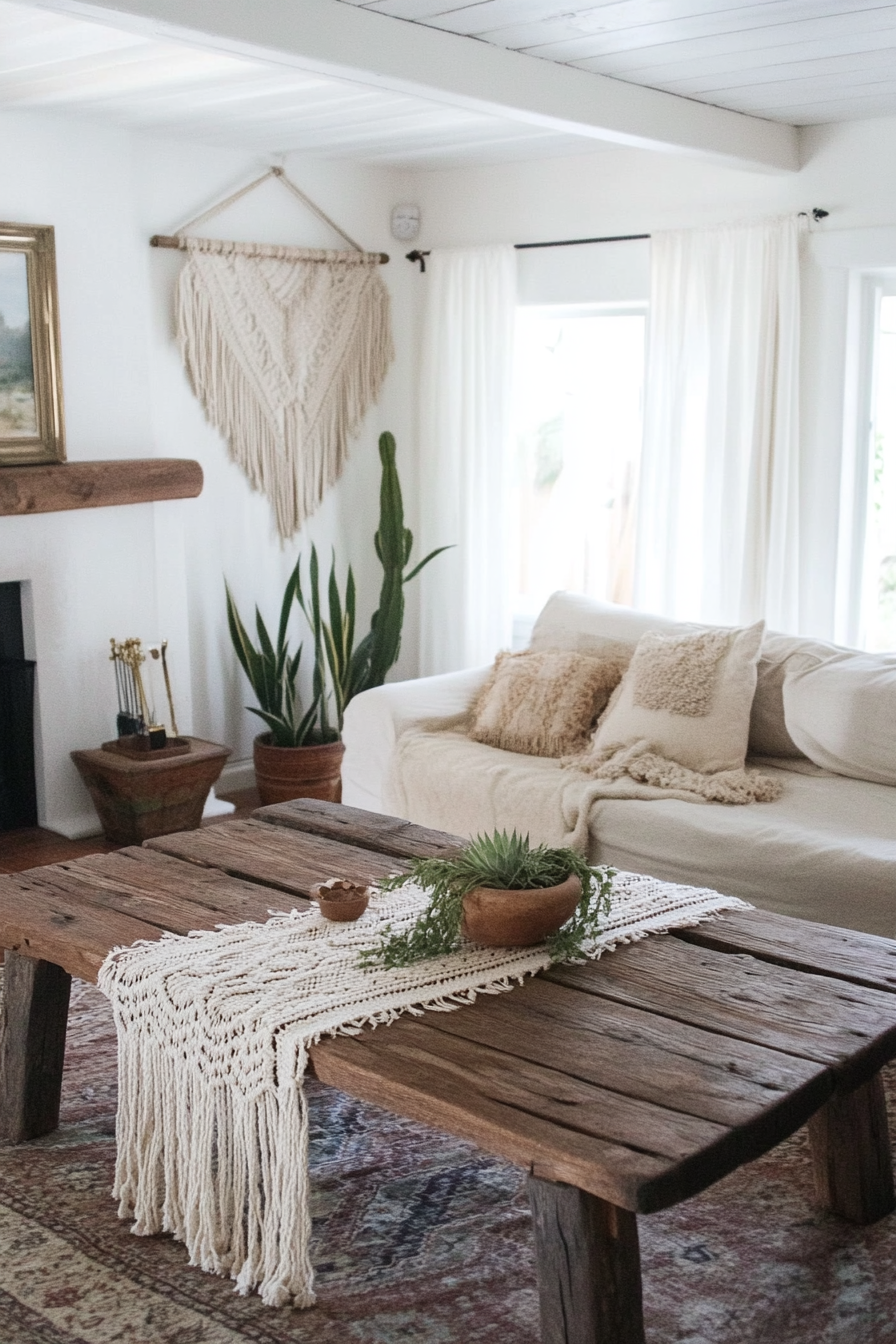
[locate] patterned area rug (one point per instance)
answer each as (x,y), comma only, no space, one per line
(419,1239)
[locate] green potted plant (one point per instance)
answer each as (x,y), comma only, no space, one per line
(499,891)
(301,753)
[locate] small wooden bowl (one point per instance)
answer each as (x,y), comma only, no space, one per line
(518,918)
(340,900)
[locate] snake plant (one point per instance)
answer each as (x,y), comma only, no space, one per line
(273,671)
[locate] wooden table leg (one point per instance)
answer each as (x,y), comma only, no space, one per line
(32,1046)
(851,1154)
(589,1267)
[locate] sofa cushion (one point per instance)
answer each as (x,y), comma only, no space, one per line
(688,694)
(544,703)
(782,656)
(826,850)
(842,713)
(572,621)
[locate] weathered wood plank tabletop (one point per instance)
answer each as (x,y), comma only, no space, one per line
(623,1086)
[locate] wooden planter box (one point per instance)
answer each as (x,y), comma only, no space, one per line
(138,797)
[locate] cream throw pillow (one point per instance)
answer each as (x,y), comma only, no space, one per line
(842,714)
(688,696)
(543,704)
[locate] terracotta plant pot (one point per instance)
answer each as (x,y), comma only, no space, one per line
(340,901)
(282,773)
(518,918)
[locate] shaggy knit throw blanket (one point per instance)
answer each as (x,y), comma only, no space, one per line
(286,349)
(213,1038)
(640,762)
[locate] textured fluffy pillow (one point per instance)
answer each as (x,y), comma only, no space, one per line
(543,704)
(688,696)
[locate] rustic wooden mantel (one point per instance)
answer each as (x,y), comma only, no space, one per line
(96,485)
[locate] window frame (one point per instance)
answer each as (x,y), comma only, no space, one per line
(853,588)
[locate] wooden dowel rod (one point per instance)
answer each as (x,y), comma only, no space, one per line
(179,244)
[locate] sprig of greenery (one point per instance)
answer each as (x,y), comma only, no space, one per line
(502,862)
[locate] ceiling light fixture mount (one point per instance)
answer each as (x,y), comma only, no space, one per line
(405,222)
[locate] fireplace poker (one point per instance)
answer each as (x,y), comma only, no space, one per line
(157,652)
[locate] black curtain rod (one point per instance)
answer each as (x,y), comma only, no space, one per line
(579,242)
(416,255)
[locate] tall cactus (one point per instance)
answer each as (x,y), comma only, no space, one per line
(393,542)
(355,670)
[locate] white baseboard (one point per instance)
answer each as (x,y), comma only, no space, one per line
(216,807)
(83,827)
(236,775)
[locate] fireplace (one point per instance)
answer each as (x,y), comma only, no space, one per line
(18,792)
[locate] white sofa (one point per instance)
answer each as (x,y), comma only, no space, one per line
(823,723)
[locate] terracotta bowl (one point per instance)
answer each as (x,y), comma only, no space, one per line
(341,901)
(518,918)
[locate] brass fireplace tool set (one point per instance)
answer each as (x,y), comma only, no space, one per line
(138,729)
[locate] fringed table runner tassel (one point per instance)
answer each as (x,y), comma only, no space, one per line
(213,1038)
(287,349)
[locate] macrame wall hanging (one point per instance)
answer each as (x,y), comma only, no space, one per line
(286,348)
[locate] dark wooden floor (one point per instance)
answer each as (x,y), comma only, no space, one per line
(35,846)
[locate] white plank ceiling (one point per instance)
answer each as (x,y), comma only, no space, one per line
(56,62)
(793,61)
(796,61)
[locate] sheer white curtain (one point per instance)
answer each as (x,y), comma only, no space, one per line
(718,512)
(465,409)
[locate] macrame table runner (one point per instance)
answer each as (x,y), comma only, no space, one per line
(213,1038)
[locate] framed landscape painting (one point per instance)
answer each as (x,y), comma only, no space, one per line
(31,424)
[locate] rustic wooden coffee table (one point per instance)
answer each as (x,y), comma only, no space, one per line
(622,1086)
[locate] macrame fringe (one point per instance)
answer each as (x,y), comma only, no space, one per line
(223,1172)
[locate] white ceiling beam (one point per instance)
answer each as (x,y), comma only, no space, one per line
(348,42)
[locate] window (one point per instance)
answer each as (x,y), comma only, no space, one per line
(579,390)
(867,587)
(880,530)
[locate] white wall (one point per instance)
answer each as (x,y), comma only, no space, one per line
(849,170)
(158,569)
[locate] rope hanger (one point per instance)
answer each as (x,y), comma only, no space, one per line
(179,240)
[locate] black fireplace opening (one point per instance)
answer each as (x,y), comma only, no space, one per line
(18,788)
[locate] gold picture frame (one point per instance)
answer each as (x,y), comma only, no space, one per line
(31,421)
